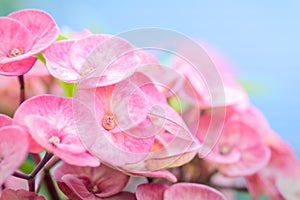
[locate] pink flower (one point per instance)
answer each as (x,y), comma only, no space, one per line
(240,150)
(280,178)
(91,183)
(179,191)
(24,34)
(131,126)
(103,56)
(13,147)
(213,82)
(20,195)
(50,122)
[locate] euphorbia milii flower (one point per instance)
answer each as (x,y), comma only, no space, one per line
(179,191)
(24,34)
(49,120)
(280,178)
(13,147)
(240,150)
(131,126)
(91,182)
(106,57)
(226,91)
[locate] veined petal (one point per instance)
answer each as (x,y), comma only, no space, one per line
(52,139)
(58,61)
(17,68)
(41,25)
(13,150)
(13,35)
(151,191)
(192,191)
(57,110)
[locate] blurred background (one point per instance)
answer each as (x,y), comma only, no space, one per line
(262,39)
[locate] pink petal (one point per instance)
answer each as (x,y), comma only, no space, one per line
(129,104)
(119,149)
(122,196)
(103,144)
(58,61)
(13,35)
(125,64)
(151,191)
(156,174)
(170,161)
(20,195)
(105,179)
(192,191)
(72,153)
(78,187)
(98,52)
(13,150)
(17,68)
(55,109)
(251,161)
(41,25)
(5,120)
(83,48)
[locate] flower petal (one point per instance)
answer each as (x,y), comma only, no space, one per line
(13,35)
(105,180)
(41,25)
(42,131)
(58,61)
(17,68)
(5,120)
(151,191)
(20,195)
(13,150)
(192,191)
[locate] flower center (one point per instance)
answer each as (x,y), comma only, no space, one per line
(86,71)
(54,140)
(94,189)
(1,159)
(15,52)
(109,121)
(225,149)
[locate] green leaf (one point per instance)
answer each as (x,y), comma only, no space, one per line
(68,88)
(41,58)
(27,166)
(61,37)
(177,104)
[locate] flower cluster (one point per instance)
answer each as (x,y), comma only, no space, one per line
(104,119)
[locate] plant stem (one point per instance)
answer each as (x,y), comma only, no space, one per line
(22,88)
(50,185)
(41,164)
(31,185)
(37,169)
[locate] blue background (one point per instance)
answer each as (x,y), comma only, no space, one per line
(261,38)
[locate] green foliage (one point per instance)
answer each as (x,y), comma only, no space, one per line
(61,37)
(41,58)
(68,88)
(246,196)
